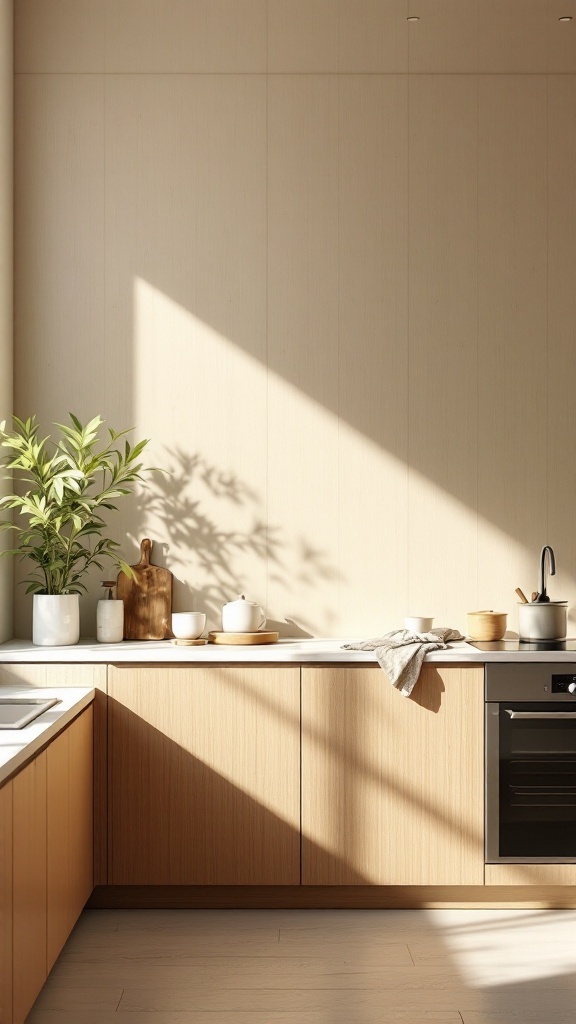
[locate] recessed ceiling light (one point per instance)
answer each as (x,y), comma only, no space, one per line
(565,17)
(413,18)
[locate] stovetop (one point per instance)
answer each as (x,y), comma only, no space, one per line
(524,645)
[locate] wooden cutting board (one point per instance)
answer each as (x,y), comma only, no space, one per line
(147,598)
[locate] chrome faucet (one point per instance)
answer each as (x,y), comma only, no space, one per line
(543,596)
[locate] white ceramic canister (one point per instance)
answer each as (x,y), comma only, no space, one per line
(110,621)
(545,620)
(242,616)
(56,620)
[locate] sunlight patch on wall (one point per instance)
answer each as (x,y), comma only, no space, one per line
(272,494)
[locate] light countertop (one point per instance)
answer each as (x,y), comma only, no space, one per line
(17,746)
(285,651)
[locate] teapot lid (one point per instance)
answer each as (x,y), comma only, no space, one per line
(240,599)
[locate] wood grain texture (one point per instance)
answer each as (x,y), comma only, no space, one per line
(185,36)
(530,874)
(29,886)
(372,349)
(60,36)
(445,41)
(392,788)
(443,319)
(512,36)
(6,903)
(373,36)
(147,598)
(59,261)
(189,278)
(302,348)
(6,279)
(561,96)
(203,776)
(512,323)
(69,761)
(302,36)
(79,675)
(330,897)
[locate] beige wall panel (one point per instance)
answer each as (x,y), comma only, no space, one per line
(561,36)
(59,35)
(512,36)
(59,258)
(204,776)
(445,40)
(6,903)
(512,365)
(303,349)
(186,321)
(392,788)
(373,36)
(442,493)
(303,35)
(561,478)
(185,35)
(29,885)
(6,282)
(373,350)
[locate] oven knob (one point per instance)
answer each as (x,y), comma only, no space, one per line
(572,688)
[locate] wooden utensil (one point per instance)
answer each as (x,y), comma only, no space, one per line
(263,636)
(147,598)
(521,595)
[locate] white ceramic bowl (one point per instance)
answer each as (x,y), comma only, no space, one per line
(418,623)
(188,625)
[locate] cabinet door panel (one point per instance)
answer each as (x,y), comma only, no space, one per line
(29,885)
(392,788)
(69,830)
(6,902)
(204,776)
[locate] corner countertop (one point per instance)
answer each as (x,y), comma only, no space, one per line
(17,746)
(287,651)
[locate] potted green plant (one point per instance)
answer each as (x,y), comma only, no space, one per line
(66,485)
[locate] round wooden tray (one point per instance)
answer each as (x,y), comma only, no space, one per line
(189,643)
(262,637)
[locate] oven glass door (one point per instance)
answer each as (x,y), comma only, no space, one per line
(531,781)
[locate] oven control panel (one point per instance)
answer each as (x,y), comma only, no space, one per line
(564,684)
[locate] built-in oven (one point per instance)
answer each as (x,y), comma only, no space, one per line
(531,763)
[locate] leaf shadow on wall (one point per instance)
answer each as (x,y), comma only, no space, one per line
(190,502)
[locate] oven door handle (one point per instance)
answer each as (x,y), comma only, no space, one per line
(540,714)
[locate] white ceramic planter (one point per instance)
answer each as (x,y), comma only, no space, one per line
(56,620)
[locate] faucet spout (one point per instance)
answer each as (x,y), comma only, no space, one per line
(546,550)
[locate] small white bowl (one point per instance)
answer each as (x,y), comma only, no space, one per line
(188,625)
(418,623)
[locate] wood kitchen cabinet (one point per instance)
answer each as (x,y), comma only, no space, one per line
(204,775)
(6,903)
(69,830)
(46,863)
(29,885)
(392,787)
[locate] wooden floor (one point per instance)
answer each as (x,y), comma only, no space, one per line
(315,967)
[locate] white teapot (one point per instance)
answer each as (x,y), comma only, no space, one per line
(242,616)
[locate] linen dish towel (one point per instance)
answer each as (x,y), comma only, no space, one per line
(400,653)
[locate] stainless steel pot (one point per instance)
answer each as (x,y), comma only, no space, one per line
(542,620)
